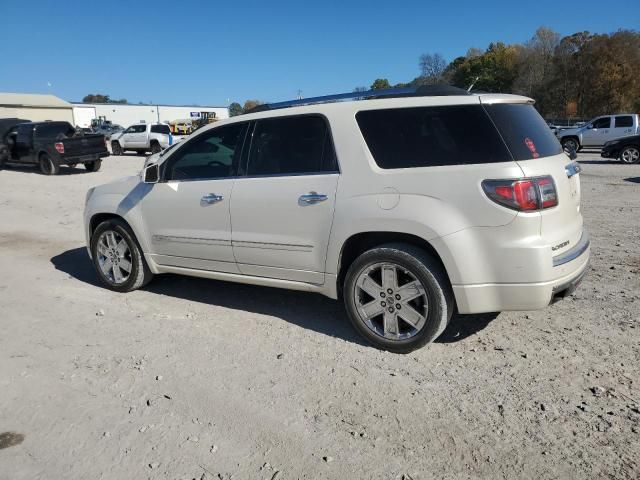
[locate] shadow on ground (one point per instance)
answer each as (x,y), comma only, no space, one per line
(632,179)
(601,162)
(64,169)
(307,310)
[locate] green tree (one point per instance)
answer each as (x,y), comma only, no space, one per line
(380,84)
(235,109)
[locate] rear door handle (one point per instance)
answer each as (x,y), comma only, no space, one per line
(311,198)
(211,199)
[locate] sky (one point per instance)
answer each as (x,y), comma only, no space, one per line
(215,52)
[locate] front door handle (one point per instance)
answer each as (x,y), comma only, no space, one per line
(311,198)
(211,199)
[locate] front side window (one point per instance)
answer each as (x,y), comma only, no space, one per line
(604,122)
(431,136)
(214,154)
(624,121)
(292,146)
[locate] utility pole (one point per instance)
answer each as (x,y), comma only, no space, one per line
(299,94)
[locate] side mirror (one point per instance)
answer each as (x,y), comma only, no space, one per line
(571,152)
(151,174)
(589,127)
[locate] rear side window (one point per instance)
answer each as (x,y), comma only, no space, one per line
(292,146)
(431,136)
(53,129)
(524,131)
(161,129)
(624,121)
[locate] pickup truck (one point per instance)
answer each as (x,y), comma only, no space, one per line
(599,131)
(49,145)
(142,138)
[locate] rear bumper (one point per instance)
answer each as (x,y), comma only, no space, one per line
(498,297)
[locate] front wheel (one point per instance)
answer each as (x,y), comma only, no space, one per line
(48,166)
(630,155)
(116,149)
(398,297)
(570,144)
(93,166)
(118,258)
(4,155)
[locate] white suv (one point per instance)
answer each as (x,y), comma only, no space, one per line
(142,138)
(409,208)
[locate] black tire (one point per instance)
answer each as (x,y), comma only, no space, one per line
(47,165)
(570,143)
(116,149)
(4,156)
(630,154)
(93,166)
(417,264)
(139,274)
(155,147)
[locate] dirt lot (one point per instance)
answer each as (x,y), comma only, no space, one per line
(200,379)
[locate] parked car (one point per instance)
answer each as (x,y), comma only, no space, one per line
(599,131)
(625,149)
(108,129)
(408,208)
(50,145)
(142,138)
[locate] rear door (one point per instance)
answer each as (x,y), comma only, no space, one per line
(282,210)
(623,126)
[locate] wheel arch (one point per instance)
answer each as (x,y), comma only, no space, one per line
(359,243)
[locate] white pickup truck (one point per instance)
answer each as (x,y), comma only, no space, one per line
(142,138)
(599,131)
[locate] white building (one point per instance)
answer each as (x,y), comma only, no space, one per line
(128,114)
(35,107)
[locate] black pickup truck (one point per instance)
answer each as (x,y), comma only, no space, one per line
(49,145)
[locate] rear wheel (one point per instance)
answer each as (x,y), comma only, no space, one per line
(630,155)
(118,258)
(398,297)
(93,166)
(116,149)
(48,166)
(155,147)
(4,155)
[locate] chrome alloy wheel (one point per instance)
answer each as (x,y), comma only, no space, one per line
(630,155)
(391,301)
(114,257)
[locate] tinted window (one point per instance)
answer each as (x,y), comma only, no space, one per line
(160,129)
(53,129)
(431,136)
(291,145)
(626,121)
(214,154)
(604,122)
(524,131)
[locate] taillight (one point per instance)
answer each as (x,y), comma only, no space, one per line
(59,147)
(524,195)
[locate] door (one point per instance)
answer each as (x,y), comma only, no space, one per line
(597,132)
(623,126)
(187,213)
(138,136)
(22,151)
(126,137)
(282,210)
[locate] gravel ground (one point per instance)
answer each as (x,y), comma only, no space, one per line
(198,379)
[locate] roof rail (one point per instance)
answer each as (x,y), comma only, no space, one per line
(423,91)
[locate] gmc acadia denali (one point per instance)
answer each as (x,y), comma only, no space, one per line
(408,205)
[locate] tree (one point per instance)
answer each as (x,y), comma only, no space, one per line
(380,84)
(100,98)
(432,66)
(250,105)
(235,109)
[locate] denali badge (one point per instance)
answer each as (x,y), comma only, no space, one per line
(560,245)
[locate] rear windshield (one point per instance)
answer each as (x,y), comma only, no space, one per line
(431,136)
(53,129)
(524,131)
(161,129)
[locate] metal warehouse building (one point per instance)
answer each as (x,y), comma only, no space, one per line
(128,114)
(35,107)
